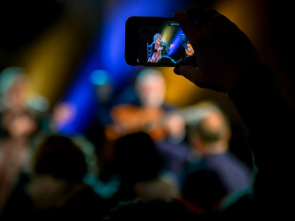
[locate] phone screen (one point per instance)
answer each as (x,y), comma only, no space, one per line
(156,41)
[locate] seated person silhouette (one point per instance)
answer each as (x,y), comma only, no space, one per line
(159,51)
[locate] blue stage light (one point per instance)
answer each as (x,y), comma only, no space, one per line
(176,42)
(106,58)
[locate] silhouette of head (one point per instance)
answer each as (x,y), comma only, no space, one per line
(60,157)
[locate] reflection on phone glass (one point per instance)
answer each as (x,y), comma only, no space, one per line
(159,42)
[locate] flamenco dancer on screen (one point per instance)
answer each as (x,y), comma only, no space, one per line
(159,50)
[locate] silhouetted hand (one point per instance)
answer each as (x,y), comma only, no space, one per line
(223,51)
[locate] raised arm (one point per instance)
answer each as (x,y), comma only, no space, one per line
(227,62)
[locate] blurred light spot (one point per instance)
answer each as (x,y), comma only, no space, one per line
(38,102)
(99,77)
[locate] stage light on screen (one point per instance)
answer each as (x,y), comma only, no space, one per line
(176,42)
(167,34)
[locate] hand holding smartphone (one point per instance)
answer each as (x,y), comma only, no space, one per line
(156,41)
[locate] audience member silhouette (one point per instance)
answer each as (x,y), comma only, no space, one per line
(227,62)
(216,172)
(173,145)
(19,124)
(57,190)
(134,210)
(140,168)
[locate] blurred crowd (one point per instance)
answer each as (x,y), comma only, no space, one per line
(142,149)
(140,157)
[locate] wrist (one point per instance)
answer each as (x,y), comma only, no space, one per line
(255,76)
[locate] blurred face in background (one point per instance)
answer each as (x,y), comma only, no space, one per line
(16,96)
(151,89)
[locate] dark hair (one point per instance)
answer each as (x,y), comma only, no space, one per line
(137,157)
(205,131)
(135,210)
(208,134)
(204,189)
(60,157)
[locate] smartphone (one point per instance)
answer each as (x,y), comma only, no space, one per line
(156,41)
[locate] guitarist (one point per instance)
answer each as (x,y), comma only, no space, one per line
(146,112)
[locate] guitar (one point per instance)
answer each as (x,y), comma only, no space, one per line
(129,118)
(189,51)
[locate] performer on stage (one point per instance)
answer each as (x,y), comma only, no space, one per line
(159,49)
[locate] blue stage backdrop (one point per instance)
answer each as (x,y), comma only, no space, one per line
(105,63)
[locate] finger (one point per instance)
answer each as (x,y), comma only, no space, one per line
(187,25)
(196,23)
(193,74)
(188,71)
(201,15)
